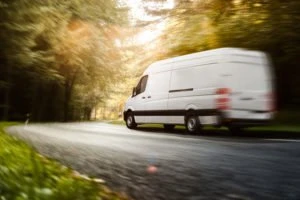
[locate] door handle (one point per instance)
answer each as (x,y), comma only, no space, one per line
(149,97)
(246,99)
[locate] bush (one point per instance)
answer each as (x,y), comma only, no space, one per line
(26,175)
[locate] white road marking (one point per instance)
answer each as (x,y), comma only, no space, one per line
(282,140)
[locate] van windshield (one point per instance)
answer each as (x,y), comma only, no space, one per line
(140,88)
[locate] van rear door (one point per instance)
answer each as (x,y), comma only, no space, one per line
(250,83)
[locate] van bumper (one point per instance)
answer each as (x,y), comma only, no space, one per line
(246,118)
(246,122)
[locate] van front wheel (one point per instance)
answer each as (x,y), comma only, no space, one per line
(192,123)
(130,122)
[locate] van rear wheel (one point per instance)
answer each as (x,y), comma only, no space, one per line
(130,122)
(169,127)
(192,123)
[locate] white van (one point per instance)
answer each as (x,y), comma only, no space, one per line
(229,87)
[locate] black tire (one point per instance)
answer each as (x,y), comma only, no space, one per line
(169,127)
(192,123)
(235,130)
(130,122)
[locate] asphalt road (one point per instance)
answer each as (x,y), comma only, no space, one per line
(212,166)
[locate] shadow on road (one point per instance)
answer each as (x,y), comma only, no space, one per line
(225,133)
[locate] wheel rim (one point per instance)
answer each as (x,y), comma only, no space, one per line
(129,120)
(192,124)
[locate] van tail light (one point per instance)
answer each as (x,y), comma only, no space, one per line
(223,99)
(271,99)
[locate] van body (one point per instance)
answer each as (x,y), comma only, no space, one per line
(223,87)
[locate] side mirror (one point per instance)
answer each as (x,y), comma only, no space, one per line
(133,92)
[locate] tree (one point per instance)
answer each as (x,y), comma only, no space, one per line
(270,26)
(54,46)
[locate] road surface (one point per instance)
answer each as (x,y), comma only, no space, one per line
(149,164)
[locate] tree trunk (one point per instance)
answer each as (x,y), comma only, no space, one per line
(7,89)
(67,101)
(69,83)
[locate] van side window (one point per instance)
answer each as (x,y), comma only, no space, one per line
(140,88)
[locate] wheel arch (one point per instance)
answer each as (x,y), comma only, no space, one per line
(190,108)
(126,112)
(188,112)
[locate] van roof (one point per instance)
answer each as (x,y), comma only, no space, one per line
(163,64)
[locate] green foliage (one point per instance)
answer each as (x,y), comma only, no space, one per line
(27,175)
(57,49)
(270,26)
(58,59)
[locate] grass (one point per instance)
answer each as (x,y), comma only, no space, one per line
(288,117)
(277,128)
(26,175)
(280,124)
(117,122)
(270,128)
